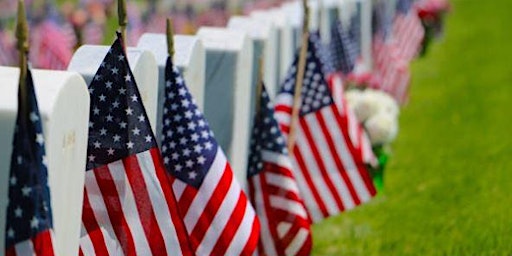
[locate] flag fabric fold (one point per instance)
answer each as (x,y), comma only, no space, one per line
(274,192)
(331,176)
(128,207)
(217,214)
(29,225)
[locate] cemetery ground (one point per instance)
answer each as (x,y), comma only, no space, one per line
(448,183)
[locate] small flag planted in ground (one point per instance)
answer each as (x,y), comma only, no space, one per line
(274,192)
(332,178)
(217,214)
(128,201)
(29,216)
(344,49)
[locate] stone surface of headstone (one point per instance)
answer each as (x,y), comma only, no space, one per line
(229,61)
(189,57)
(87,59)
(63,102)
(286,46)
(294,12)
(263,35)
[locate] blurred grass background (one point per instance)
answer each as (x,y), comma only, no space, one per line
(448,183)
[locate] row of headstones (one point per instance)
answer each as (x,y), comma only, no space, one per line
(220,67)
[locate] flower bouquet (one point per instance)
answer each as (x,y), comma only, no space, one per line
(378,112)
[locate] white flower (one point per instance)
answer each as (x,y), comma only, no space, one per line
(363,104)
(382,128)
(385,101)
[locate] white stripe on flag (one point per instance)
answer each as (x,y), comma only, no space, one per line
(313,170)
(277,159)
(157,197)
(328,156)
(297,242)
(205,191)
(281,181)
(288,205)
(266,236)
(24,248)
(243,233)
(220,219)
(347,158)
(129,207)
(98,206)
(178,188)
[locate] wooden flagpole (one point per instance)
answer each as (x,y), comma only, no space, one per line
(22,45)
(170,38)
(299,78)
(122,19)
(259,86)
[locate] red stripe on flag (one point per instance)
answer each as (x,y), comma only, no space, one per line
(210,210)
(225,239)
(309,181)
(91,225)
(165,181)
(253,238)
(114,209)
(143,202)
(43,243)
(363,172)
(269,211)
(336,155)
(320,162)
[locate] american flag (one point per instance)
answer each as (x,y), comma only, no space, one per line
(217,214)
(29,216)
(331,176)
(344,48)
(53,45)
(128,201)
(7,49)
(273,189)
(392,55)
(408,31)
(354,30)
(358,135)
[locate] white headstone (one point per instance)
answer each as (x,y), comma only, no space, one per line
(189,57)
(63,101)
(87,59)
(229,56)
(286,46)
(263,35)
(294,12)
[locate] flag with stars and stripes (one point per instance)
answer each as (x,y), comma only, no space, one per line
(344,48)
(357,134)
(331,176)
(29,217)
(274,192)
(408,31)
(128,203)
(217,214)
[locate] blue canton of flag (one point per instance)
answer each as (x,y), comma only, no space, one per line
(403,6)
(118,124)
(29,215)
(324,53)
(382,22)
(354,30)
(188,145)
(344,48)
(265,135)
(216,212)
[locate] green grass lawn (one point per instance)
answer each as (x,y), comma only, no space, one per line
(448,184)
